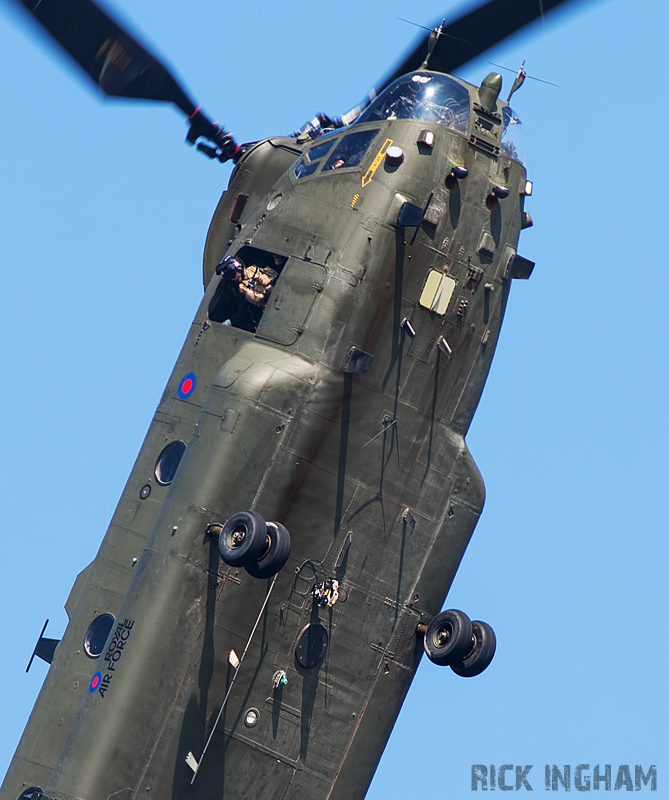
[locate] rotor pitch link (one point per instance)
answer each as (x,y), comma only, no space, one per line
(226,147)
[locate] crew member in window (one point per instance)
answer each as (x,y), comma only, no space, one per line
(246,292)
(257,284)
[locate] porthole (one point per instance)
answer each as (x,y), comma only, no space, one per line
(168,462)
(34,793)
(97,633)
(274,202)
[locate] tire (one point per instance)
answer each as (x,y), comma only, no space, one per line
(481,653)
(275,555)
(448,638)
(243,539)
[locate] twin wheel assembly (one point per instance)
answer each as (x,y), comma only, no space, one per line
(262,548)
(246,540)
(453,640)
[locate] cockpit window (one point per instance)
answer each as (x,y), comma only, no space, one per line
(351,150)
(423,95)
(311,161)
(348,153)
(320,150)
(514,143)
(302,170)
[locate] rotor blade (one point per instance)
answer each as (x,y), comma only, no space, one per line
(119,65)
(115,61)
(473,34)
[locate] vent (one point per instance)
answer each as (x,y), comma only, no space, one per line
(483,145)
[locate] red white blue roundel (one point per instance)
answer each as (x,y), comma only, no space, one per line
(187,386)
(95,682)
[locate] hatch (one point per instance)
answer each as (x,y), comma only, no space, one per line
(290,303)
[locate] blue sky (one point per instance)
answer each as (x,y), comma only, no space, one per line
(103,214)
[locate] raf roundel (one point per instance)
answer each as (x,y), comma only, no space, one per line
(187,386)
(95,682)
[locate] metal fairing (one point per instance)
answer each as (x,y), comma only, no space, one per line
(275,424)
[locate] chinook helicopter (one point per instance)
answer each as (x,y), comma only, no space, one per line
(365,364)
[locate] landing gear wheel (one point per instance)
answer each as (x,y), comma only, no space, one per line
(448,638)
(481,652)
(275,554)
(243,539)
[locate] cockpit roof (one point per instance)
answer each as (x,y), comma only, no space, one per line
(429,96)
(445,100)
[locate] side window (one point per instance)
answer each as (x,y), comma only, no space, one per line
(97,633)
(246,283)
(271,301)
(351,150)
(168,462)
(291,301)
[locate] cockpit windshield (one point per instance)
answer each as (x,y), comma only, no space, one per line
(423,95)
(514,142)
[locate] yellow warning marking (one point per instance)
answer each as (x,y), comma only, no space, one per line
(356,197)
(115,53)
(105,45)
(378,158)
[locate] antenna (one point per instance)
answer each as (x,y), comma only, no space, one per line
(431,43)
(435,33)
(520,78)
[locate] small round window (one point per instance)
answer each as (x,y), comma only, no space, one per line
(34,793)
(97,633)
(168,462)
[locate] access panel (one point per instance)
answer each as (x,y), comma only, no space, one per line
(291,301)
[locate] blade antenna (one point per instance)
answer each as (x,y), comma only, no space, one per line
(432,42)
(520,80)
